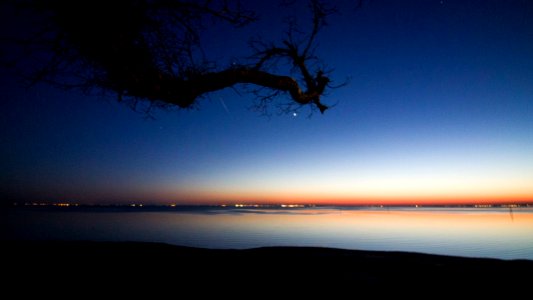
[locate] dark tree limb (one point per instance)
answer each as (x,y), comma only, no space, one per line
(184,92)
(151,50)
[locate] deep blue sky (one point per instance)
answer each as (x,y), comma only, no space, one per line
(438,106)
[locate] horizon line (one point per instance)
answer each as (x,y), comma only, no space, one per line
(267,205)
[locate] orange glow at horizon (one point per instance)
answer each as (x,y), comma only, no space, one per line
(417,184)
(284,197)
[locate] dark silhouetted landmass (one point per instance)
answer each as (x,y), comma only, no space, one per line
(127,266)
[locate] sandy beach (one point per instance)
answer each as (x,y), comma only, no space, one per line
(103,265)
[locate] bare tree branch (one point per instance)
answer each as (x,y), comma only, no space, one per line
(151,50)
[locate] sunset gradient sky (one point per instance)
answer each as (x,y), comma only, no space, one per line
(438,109)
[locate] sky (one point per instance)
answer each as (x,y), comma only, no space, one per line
(438,109)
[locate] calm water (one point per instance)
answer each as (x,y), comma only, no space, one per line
(497,233)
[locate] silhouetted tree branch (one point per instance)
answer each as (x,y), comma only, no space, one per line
(151,50)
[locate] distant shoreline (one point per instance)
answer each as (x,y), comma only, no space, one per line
(252,206)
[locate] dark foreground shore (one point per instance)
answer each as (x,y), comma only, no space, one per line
(136,265)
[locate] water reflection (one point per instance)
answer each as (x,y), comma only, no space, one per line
(499,233)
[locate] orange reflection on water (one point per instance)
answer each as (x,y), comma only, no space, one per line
(468,232)
(491,232)
(482,222)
